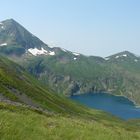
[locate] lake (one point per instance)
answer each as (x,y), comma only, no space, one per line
(116,105)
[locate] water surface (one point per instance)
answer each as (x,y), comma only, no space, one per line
(116,105)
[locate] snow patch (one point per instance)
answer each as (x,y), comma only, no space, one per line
(75,58)
(136,60)
(106,58)
(51,53)
(117,56)
(125,55)
(35,51)
(76,53)
(3,44)
(1,24)
(2,27)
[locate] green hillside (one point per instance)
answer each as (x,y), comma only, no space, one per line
(18,86)
(20,123)
(87,74)
(68,72)
(28,110)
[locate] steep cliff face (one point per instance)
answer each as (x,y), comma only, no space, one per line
(88,74)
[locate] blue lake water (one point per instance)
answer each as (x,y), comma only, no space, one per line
(116,105)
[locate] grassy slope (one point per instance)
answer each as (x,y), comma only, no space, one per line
(87,74)
(67,121)
(21,123)
(68,117)
(14,78)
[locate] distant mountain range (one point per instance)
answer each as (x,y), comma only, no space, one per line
(68,72)
(36,109)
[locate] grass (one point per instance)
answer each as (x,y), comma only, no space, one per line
(18,123)
(14,78)
(69,120)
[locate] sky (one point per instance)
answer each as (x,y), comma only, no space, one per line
(90,27)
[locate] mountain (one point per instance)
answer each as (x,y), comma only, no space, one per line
(31,110)
(35,112)
(16,85)
(16,40)
(88,74)
(124,57)
(68,72)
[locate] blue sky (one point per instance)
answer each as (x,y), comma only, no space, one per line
(91,27)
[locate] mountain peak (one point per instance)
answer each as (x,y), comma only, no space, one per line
(126,52)
(121,56)
(123,53)
(15,39)
(10,21)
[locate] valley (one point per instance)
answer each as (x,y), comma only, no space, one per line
(68,72)
(36,81)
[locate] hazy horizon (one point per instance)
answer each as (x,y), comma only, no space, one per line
(92,27)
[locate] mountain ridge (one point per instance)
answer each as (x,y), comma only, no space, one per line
(49,115)
(72,73)
(14,38)
(12,22)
